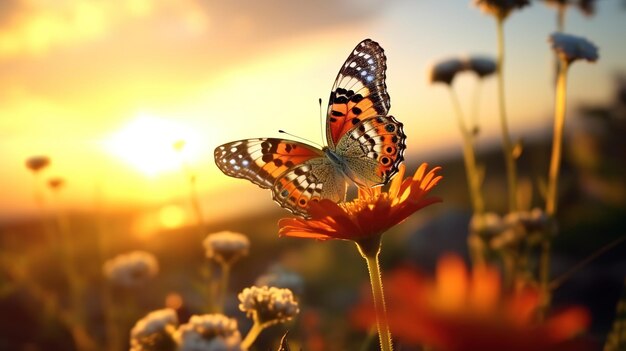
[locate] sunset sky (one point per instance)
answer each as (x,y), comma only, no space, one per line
(105,87)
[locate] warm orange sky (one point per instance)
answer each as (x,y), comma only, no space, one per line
(105,87)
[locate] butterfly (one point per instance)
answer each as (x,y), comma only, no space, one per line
(364,144)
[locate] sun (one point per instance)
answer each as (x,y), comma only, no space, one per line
(147,144)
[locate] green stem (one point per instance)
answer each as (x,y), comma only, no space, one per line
(553,178)
(559,122)
(114,339)
(474,241)
(373,266)
(506,138)
(469,156)
(475,105)
(254,332)
(223,286)
(75,283)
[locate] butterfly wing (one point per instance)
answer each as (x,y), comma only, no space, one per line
(297,173)
(373,150)
(359,91)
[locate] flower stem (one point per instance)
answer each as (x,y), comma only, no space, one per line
(559,122)
(373,267)
(506,138)
(223,286)
(254,332)
(553,178)
(474,241)
(469,157)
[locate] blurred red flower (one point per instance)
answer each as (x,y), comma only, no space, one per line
(368,216)
(459,311)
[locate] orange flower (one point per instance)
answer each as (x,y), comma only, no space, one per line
(368,216)
(460,312)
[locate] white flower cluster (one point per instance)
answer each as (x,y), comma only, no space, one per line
(268,305)
(131,269)
(444,71)
(226,247)
(571,48)
(209,332)
(508,231)
(159,331)
(155,331)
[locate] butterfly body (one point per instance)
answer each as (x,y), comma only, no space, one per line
(364,145)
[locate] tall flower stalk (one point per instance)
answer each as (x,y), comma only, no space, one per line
(363,221)
(225,248)
(76,284)
(373,267)
(445,72)
(501,9)
(568,49)
(507,144)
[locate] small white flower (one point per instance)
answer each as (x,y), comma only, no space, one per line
(481,65)
(268,305)
(500,8)
(226,247)
(445,71)
(570,47)
(155,332)
(277,276)
(209,332)
(131,269)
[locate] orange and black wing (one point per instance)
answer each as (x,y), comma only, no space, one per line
(359,91)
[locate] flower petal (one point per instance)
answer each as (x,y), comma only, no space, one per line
(396,182)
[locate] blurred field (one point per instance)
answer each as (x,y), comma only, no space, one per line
(593,214)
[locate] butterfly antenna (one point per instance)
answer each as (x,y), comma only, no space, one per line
(299,137)
(321,119)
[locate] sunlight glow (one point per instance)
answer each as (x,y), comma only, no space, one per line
(147,143)
(172,216)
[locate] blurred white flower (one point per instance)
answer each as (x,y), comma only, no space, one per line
(209,332)
(226,247)
(487,224)
(500,8)
(444,71)
(131,269)
(570,47)
(37,163)
(268,305)
(155,332)
(508,231)
(481,65)
(279,277)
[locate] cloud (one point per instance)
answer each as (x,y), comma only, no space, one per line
(32,27)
